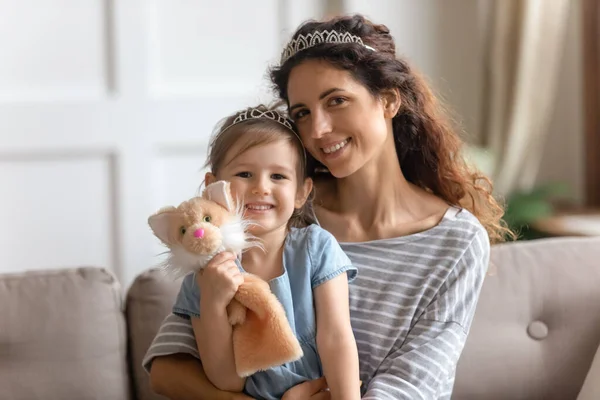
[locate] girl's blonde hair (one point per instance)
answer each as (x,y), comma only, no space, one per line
(258,132)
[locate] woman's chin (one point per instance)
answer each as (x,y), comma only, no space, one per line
(340,173)
(341,170)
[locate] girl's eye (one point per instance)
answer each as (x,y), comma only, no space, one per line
(277,176)
(243,174)
(182,230)
(207,218)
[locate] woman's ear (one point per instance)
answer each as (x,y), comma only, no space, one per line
(303,193)
(391,102)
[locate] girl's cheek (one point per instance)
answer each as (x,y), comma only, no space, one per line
(235,190)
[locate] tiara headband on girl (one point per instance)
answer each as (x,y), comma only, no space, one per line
(303,42)
(273,115)
(256,113)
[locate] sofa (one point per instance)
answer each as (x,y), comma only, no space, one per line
(77,334)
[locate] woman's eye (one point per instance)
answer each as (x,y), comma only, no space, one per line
(182,230)
(337,101)
(207,218)
(243,174)
(300,114)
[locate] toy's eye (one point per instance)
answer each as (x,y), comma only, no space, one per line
(182,230)
(207,218)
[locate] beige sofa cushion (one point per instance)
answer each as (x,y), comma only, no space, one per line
(62,336)
(149,300)
(537,324)
(591,385)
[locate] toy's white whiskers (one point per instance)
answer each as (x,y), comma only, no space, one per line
(251,240)
(180,262)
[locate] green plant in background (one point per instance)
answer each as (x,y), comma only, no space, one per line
(525,207)
(522,207)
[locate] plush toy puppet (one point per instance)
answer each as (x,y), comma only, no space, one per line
(197,230)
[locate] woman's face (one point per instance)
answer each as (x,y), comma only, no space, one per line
(341,124)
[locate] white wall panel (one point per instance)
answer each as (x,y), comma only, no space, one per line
(178,173)
(211,48)
(53,50)
(57,211)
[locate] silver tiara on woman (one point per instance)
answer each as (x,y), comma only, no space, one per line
(303,42)
(256,113)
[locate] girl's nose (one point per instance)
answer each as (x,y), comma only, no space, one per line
(261,188)
(199,233)
(260,191)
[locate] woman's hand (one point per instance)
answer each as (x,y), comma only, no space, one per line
(309,390)
(219,280)
(240,396)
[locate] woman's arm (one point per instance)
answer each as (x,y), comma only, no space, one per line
(174,368)
(181,377)
(335,340)
(308,390)
(423,366)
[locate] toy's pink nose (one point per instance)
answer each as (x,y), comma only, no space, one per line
(199,233)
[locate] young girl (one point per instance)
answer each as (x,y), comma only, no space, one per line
(259,152)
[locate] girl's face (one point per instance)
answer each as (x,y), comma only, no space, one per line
(265,179)
(341,124)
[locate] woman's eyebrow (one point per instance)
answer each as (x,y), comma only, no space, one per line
(321,97)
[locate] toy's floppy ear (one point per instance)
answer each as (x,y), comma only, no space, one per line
(161,224)
(220,193)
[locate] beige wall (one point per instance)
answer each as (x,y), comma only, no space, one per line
(564,156)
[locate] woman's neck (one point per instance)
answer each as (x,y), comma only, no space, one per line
(266,261)
(379,201)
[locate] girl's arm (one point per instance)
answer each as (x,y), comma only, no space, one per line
(218,283)
(335,341)
(215,344)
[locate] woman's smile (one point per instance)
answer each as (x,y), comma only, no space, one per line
(335,147)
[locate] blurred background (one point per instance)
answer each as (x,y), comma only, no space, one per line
(106,107)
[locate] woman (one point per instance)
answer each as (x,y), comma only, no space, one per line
(393,189)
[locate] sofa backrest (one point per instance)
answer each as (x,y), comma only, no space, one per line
(149,300)
(537,324)
(535,332)
(62,336)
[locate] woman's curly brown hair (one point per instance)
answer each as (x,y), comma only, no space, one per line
(428,146)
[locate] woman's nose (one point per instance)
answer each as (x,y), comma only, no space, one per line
(321,124)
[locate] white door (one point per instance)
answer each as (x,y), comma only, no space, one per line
(105,112)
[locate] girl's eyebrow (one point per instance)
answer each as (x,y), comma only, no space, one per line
(273,167)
